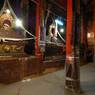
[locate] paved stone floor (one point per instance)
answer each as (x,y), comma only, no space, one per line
(52,84)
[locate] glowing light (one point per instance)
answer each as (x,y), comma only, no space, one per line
(52,26)
(88,35)
(18,23)
(62,30)
(59,22)
(23,80)
(8,11)
(26,80)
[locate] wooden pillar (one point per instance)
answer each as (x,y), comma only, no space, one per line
(72,81)
(37,40)
(83,40)
(69,28)
(83,36)
(94,26)
(82,30)
(43,26)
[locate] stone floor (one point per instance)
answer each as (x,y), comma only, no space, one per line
(52,84)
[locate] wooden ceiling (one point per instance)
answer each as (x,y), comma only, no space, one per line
(85,1)
(61,3)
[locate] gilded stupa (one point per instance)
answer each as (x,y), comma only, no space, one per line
(12,32)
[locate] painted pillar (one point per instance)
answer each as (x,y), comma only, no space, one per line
(72,81)
(83,40)
(94,26)
(37,40)
(82,30)
(43,26)
(69,28)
